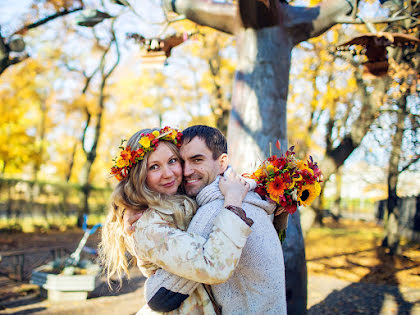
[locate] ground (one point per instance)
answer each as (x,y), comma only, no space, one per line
(348,273)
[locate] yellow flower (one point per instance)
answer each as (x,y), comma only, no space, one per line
(270,168)
(173,134)
(308,193)
(290,185)
(121,162)
(303,166)
(259,173)
(295,180)
(156,133)
(145,142)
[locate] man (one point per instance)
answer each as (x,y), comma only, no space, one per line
(257,285)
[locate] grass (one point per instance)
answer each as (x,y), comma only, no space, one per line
(351,251)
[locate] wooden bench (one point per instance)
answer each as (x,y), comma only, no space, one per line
(18,257)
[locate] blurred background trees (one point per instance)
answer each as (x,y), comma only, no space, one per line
(79,84)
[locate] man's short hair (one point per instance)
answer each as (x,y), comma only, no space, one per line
(213,138)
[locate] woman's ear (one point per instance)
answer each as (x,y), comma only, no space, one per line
(223,162)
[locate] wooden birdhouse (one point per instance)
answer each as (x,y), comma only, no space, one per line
(159,48)
(374,48)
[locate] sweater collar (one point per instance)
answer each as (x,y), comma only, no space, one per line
(209,193)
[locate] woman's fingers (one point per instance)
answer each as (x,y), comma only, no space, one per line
(234,188)
(129,218)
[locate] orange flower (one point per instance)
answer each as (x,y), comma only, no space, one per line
(121,162)
(276,187)
(126,154)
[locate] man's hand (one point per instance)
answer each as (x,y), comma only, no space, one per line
(279,210)
(234,188)
(129,218)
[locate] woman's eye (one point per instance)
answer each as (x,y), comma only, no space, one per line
(153,167)
(173,160)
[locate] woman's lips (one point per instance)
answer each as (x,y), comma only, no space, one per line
(170,184)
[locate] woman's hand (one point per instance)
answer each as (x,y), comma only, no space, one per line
(129,217)
(234,188)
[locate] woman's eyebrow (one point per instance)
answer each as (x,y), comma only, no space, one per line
(149,162)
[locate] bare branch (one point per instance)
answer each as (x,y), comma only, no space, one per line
(411,162)
(350,20)
(46,20)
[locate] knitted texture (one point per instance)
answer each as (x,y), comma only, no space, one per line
(257,286)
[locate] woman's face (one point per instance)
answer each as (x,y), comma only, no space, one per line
(164,170)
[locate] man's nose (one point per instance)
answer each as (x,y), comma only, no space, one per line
(187,170)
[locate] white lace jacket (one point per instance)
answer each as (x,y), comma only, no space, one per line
(158,243)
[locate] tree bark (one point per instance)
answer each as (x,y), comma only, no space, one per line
(258,115)
(336,208)
(392,237)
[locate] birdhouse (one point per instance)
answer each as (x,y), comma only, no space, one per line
(374,48)
(159,47)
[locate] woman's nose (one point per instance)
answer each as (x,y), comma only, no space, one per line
(167,172)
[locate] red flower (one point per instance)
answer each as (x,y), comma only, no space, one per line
(260,191)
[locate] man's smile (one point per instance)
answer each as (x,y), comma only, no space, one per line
(192,181)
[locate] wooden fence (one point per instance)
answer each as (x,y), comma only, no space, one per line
(27,199)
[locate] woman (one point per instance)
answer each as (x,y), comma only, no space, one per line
(150,173)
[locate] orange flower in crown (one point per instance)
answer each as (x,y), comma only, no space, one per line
(148,142)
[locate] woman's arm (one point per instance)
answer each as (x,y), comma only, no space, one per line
(190,255)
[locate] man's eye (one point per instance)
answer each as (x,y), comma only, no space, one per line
(197,160)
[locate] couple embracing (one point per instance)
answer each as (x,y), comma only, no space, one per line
(204,240)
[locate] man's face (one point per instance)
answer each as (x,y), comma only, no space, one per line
(200,169)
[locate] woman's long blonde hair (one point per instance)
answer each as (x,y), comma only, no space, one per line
(133,193)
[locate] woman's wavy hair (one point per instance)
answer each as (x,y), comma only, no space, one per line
(132,193)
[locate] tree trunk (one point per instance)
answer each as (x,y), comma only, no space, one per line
(258,115)
(71,163)
(371,101)
(3,169)
(258,118)
(91,155)
(86,188)
(336,207)
(392,237)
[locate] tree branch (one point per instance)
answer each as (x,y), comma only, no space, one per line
(413,161)
(350,20)
(220,16)
(46,20)
(303,23)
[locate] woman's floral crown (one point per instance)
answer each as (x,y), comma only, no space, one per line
(148,142)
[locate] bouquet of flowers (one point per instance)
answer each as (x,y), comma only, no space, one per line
(288,181)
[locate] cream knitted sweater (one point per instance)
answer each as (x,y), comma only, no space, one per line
(257,286)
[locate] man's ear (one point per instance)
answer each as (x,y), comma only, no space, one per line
(223,162)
